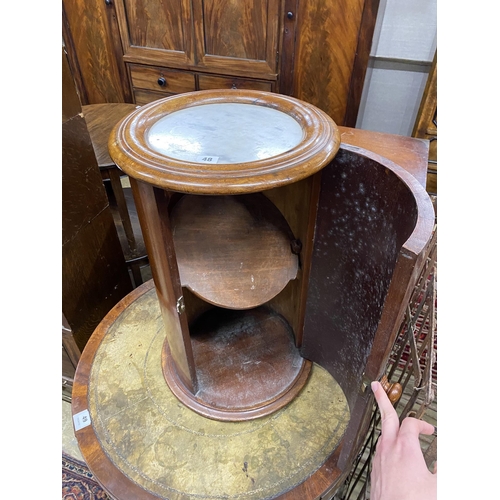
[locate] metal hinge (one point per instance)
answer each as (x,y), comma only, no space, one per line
(365,383)
(181,307)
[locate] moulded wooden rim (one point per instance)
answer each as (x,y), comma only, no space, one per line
(129,148)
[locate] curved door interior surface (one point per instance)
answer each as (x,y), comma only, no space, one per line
(373,222)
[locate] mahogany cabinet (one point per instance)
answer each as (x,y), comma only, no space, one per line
(282,265)
(142,50)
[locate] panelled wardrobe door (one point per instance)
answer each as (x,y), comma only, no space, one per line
(143,50)
(239,38)
(156,32)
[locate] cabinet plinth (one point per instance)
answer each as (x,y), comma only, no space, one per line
(246,362)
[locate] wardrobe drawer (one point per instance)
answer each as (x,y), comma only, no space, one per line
(206,82)
(142,97)
(161,79)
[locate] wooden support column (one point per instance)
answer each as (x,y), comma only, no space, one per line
(152,212)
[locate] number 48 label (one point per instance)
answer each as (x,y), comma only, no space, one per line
(81,420)
(207,159)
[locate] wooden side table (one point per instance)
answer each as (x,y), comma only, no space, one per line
(178,394)
(100,119)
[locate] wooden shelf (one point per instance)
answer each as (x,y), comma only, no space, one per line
(233,251)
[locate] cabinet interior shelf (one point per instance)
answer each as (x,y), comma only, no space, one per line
(233,251)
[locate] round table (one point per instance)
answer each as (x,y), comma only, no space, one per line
(142,443)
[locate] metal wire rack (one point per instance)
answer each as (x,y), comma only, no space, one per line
(413,364)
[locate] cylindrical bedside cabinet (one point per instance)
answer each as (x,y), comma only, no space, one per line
(280,263)
(224,241)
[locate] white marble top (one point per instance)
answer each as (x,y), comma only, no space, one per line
(224,133)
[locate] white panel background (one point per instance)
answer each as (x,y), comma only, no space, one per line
(403,47)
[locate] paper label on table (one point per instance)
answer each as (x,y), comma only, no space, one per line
(81,420)
(207,159)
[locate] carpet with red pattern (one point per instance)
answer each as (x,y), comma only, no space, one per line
(78,483)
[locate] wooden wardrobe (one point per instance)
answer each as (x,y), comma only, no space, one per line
(142,50)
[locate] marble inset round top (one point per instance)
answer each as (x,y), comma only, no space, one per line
(225,133)
(224,142)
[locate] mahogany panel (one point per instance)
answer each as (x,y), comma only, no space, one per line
(94,275)
(327,39)
(72,351)
(297,202)
(153,24)
(100,119)
(206,82)
(426,124)
(287,46)
(160,32)
(161,79)
(71,105)
(88,34)
(157,234)
(237,35)
(360,65)
(226,28)
(142,97)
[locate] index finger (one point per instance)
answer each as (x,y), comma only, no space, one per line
(390,419)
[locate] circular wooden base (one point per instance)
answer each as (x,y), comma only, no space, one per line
(247,365)
(233,251)
(140,442)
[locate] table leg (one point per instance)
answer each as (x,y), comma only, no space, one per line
(114,177)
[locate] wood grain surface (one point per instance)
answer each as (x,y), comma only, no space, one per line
(247,365)
(233,252)
(130,150)
(101,119)
(90,39)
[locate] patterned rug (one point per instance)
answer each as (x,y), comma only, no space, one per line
(78,482)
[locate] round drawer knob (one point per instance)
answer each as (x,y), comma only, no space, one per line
(162,82)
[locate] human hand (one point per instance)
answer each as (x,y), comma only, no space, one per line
(399,471)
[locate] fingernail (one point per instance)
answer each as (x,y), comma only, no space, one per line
(374,385)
